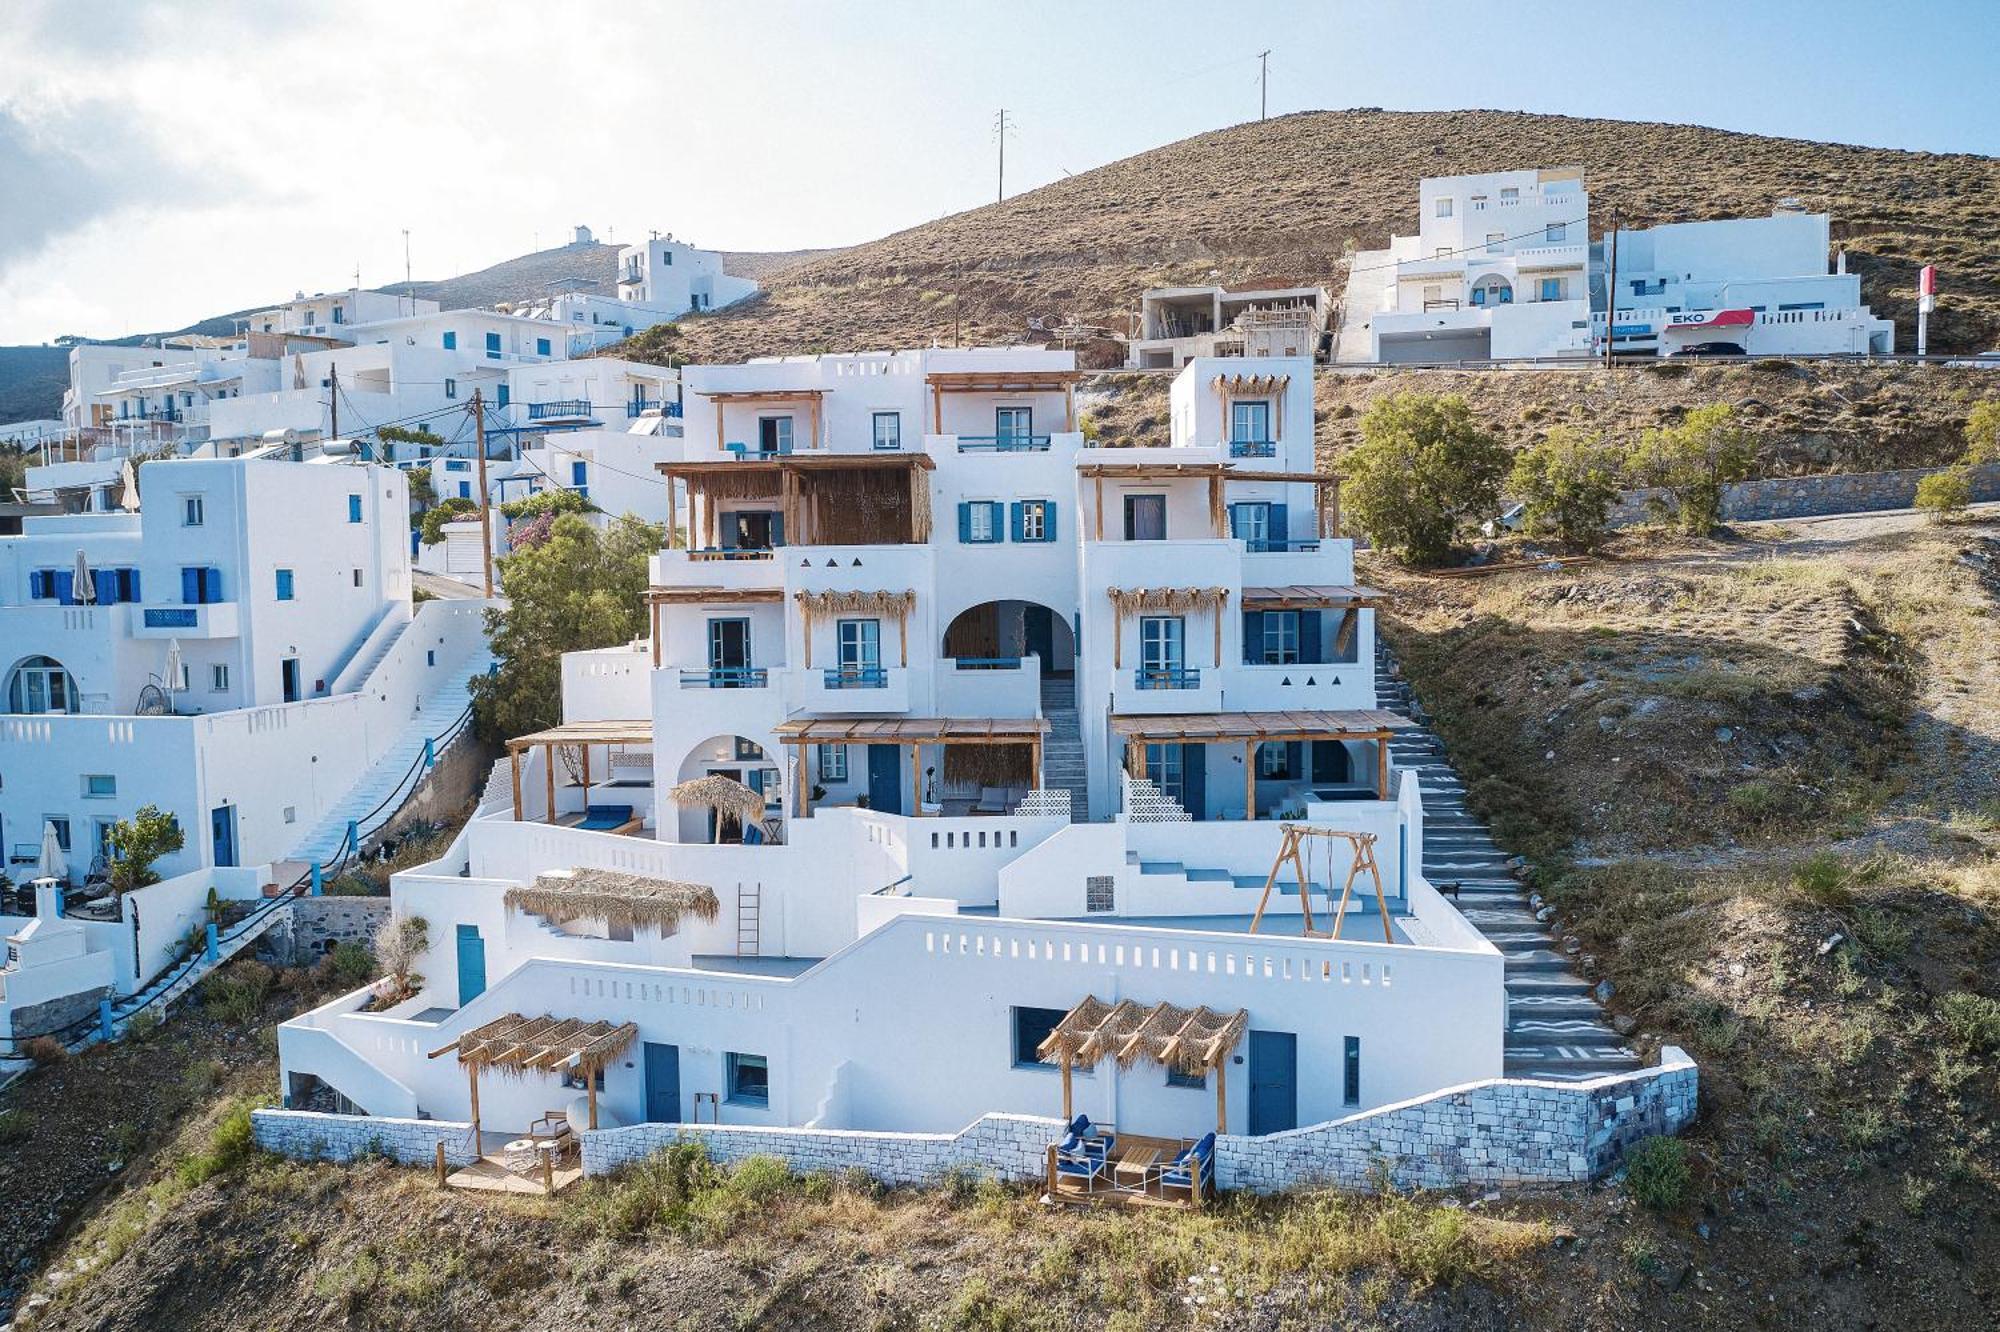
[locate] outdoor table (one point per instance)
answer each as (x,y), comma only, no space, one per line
(1134,1163)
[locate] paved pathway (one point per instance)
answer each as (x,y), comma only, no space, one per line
(1555,1029)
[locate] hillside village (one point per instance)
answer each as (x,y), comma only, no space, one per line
(1434,764)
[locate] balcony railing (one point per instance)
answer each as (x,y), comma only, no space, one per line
(987,663)
(729,553)
(1276,547)
(560,410)
(1167,677)
(726,677)
(172,617)
(1003,443)
(640,406)
(1253,448)
(738,449)
(857,677)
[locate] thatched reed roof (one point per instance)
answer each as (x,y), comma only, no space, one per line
(1173,600)
(896,605)
(516,1044)
(627,900)
(1192,1040)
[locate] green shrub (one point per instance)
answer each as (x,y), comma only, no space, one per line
(1822,876)
(1567,484)
(1945,494)
(1425,470)
(1657,1173)
(139,841)
(350,964)
(14,1124)
(760,1178)
(237,993)
(1971,1020)
(446,511)
(229,1145)
(555,501)
(1982,432)
(1692,462)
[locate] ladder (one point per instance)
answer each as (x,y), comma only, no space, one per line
(749,911)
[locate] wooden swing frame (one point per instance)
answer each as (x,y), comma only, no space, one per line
(1291,848)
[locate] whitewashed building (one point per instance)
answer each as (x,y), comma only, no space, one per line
(240,652)
(1178,324)
(657,282)
(1013,722)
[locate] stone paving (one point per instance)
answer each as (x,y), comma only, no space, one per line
(1555,1027)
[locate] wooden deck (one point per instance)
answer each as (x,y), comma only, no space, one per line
(490,1175)
(1130,1177)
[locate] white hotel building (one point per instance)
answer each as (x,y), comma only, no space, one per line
(1020,720)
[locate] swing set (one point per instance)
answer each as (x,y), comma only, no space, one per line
(1292,848)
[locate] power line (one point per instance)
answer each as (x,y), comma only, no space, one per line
(1002,127)
(1263,84)
(1465,249)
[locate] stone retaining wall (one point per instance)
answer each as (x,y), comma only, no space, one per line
(310,1136)
(315,924)
(1010,1146)
(1810,496)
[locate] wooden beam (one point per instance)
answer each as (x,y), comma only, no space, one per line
(1334,486)
(1035,764)
(1221,1104)
(1099,483)
(514,766)
(549,780)
(472,1081)
(656,639)
(1382,767)
(815,443)
(916,781)
(1216,514)
(937,409)
(590,1090)
(1250,781)
(1069,1106)
(585,750)
(719,440)
(1069,408)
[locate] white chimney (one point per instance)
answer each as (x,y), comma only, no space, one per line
(1840,262)
(48,904)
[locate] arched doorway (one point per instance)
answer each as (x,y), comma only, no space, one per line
(731,756)
(1492,290)
(40,685)
(1001,632)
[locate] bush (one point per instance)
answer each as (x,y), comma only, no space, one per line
(446,511)
(139,841)
(1692,462)
(760,1178)
(237,993)
(14,1125)
(43,1051)
(229,1145)
(1945,494)
(349,965)
(554,502)
(1656,1171)
(1971,1020)
(1982,432)
(1424,471)
(1567,484)
(1823,877)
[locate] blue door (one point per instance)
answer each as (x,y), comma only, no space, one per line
(1038,629)
(885,779)
(663,1083)
(1274,1082)
(222,827)
(471,964)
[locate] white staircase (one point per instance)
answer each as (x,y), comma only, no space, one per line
(390,773)
(1062,754)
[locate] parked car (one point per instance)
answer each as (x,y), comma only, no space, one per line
(1711,349)
(1987,360)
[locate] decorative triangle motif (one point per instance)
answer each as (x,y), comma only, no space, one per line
(1310,682)
(1288,679)
(833,564)
(857,563)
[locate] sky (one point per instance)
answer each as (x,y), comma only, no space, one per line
(162,162)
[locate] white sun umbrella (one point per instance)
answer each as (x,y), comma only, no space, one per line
(51,864)
(173,666)
(86,591)
(129,483)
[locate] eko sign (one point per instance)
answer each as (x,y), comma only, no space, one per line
(1712,319)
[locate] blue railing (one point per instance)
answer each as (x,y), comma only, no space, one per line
(1276,547)
(1252,448)
(564,408)
(726,677)
(640,406)
(730,553)
(988,663)
(741,450)
(172,617)
(1168,677)
(857,677)
(1003,443)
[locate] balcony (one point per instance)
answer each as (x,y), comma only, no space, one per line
(218,619)
(986,663)
(1276,547)
(726,677)
(854,689)
(638,407)
(742,452)
(1003,443)
(707,553)
(857,677)
(1167,677)
(566,409)
(1253,448)
(1571,255)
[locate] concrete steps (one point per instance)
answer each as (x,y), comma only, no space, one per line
(1062,752)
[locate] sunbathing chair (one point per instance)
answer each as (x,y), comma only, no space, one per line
(554,1127)
(992,800)
(607,818)
(1192,1172)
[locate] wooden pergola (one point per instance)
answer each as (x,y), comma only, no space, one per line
(656,597)
(1193,1040)
(581,734)
(915,732)
(1329,596)
(1017,381)
(1326,488)
(805,487)
(1251,729)
(813,398)
(1229,387)
(516,1044)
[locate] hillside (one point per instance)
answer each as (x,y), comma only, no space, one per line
(32,380)
(1286,198)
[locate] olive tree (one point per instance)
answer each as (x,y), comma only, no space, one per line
(1691,462)
(1425,470)
(1567,484)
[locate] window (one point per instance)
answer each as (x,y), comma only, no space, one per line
(1444,206)
(191,511)
(860,644)
(579,476)
(1098,893)
(1509,194)
(541,349)
(748,751)
(1145,517)
(1160,639)
(357,578)
(218,678)
(979,522)
(888,430)
(1281,638)
(99,786)
(61,824)
(457,465)
(354,508)
(749,1079)
(284,584)
(1555,233)
(201,586)
(833,763)
(774,434)
(1443,252)
(451,388)
(1034,520)
(1180,1078)
(1274,759)
(1494,239)
(1249,422)
(1552,289)
(41,685)
(339,314)
(492,346)
(450,344)
(1350,1086)
(1031,1027)
(1015,423)
(1805,305)
(503,395)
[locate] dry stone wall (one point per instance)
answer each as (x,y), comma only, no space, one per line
(310,1136)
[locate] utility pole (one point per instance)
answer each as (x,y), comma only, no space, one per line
(409,287)
(1263,85)
(485,503)
(1611,290)
(1001,126)
(333,401)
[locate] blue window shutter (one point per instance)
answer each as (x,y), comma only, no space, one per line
(1309,637)
(1017,521)
(211,586)
(354,508)
(66,586)
(190,587)
(777,529)
(1253,638)
(1048,520)
(104,586)
(37,586)
(503,397)
(451,342)
(964,522)
(1194,779)
(1281,531)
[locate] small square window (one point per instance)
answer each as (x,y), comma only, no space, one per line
(1181,1078)
(833,763)
(1031,1027)
(191,511)
(218,677)
(357,578)
(100,785)
(291,813)
(749,1079)
(1444,206)
(354,508)
(451,388)
(1099,893)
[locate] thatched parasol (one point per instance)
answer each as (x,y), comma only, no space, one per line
(725,795)
(625,900)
